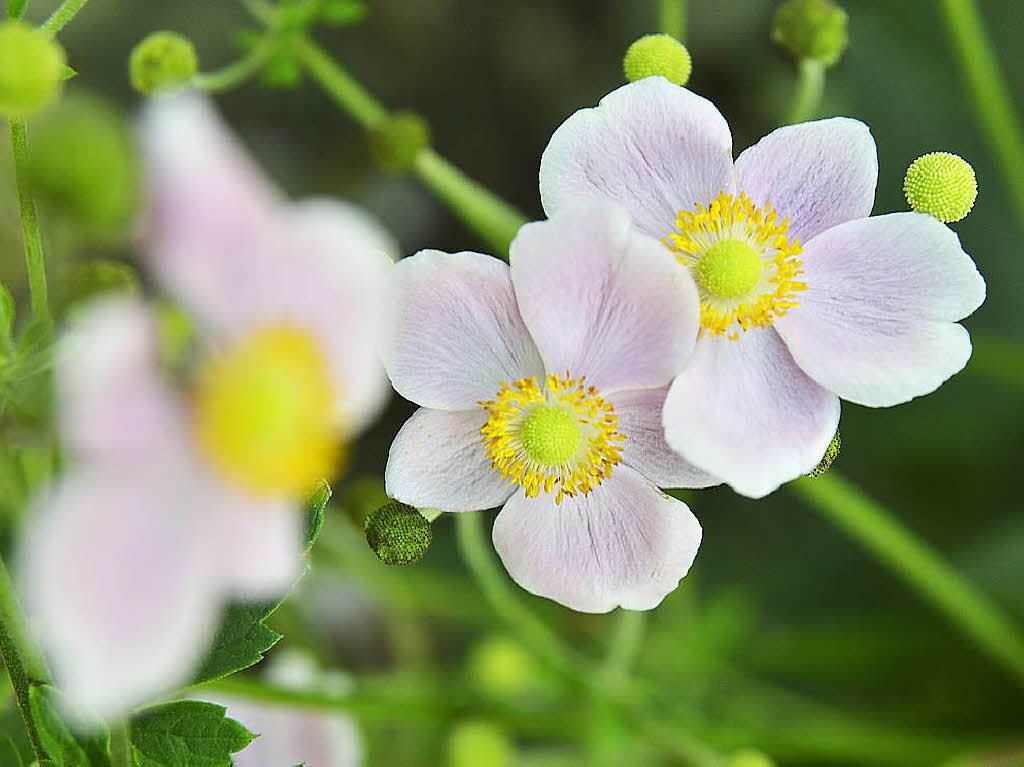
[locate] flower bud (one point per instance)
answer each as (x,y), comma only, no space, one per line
(811,29)
(161,61)
(749,757)
(653,55)
(396,142)
(398,534)
(31,69)
(830,455)
(501,668)
(479,744)
(941,184)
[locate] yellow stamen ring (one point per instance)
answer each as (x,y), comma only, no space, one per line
(743,261)
(559,437)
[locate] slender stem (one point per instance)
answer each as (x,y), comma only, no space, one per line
(34,259)
(810,87)
(672,18)
(25,664)
(121,747)
(495,587)
(918,565)
(990,92)
(627,639)
(483,212)
(236,74)
(60,17)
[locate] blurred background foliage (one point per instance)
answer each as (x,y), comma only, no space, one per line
(787,637)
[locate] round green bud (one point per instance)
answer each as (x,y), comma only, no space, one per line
(811,29)
(941,184)
(501,668)
(82,161)
(398,534)
(830,456)
(395,143)
(653,55)
(479,744)
(161,61)
(31,69)
(749,757)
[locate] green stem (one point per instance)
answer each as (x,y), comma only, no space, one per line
(672,18)
(990,92)
(34,259)
(25,664)
(60,17)
(236,74)
(810,87)
(497,591)
(484,213)
(121,747)
(624,647)
(918,565)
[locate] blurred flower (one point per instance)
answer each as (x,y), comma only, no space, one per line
(804,299)
(179,500)
(541,388)
(32,69)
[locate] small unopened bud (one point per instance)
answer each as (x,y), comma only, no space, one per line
(478,743)
(161,61)
(811,29)
(501,668)
(396,142)
(941,184)
(398,534)
(749,757)
(830,456)
(31,69)
(653,55)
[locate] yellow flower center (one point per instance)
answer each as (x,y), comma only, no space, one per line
(264,412)
(745,266)
(559,436)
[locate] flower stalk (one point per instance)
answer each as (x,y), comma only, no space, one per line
(35,261)
(672,18)
(810,87)
(59,19)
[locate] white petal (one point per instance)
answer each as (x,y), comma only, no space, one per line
(211,208)
(745,412)
(625,544)
(602,300)
(816,174)
(457,331)
(122,580)
(645,448)
(876,323)
(438,461)
(651,146)
(113,399)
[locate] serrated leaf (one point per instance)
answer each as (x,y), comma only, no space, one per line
(315,512)
(16,8)
(240,642)
(186,732)
(64,749)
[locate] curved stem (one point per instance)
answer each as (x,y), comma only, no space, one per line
(25,664)
(60,17)
(236,74)
(34,260)
(990,92)
(810,87)
(483,212)
(918,565)
(624,647)
(672,18)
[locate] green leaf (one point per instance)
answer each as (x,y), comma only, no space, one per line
(16,8)
(9,753)
(342,13)
(315,512)
(62,748)
(240,642)
(186,732)
(69,73)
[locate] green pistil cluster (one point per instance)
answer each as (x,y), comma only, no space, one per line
(941,184)
(654,55)
(729,269)
(550,435)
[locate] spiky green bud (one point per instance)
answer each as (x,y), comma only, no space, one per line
(161,61)
(395,143)
(398,534)
(830,456)
(653,55)
(811,29)
(941,184)
(31,69)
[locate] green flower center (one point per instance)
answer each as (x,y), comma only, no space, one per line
(729,269)
(550,435)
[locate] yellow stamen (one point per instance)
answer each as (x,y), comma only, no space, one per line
(263,412)
(559,437)
(720,242)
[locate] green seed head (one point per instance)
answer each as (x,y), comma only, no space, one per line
(941,184)
(830,456)
(729,269)
(653,55)
(398,534)
(162,61)
(31,69)
(398,140)
(550,435)
(811,29)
